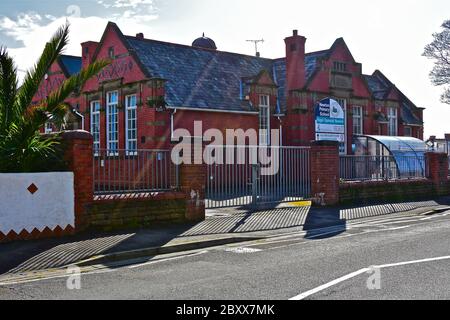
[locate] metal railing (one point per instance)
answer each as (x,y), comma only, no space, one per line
(125,171)
(376,168)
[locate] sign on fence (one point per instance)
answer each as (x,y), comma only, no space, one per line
(330,122)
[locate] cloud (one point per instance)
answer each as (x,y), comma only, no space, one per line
(125,3)
(33,30)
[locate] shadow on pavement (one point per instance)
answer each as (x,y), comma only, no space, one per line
(25,256)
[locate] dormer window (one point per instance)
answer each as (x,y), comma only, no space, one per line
(339,66)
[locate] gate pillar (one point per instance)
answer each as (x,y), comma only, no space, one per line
(325,172)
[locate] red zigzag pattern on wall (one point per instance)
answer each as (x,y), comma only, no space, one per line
(36,234)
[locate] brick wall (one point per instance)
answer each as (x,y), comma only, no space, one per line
(371,191)
(437,171)
(136,211)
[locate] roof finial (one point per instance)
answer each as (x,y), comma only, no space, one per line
(203,34)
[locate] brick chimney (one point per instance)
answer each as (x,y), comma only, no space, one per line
(295,61)
(88,51)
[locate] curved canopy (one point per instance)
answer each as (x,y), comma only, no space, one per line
(408,152)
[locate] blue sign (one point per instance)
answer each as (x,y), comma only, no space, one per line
(330,122)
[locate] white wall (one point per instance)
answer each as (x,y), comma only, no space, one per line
(51,206)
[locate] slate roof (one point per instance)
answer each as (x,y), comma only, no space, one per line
(408,117)
(71,64)
(199,78)
(380,90)
(209,79)
(377,87)
(311,61)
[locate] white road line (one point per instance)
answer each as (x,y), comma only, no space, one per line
(398,228)
(329,284)
(361,271)
(241,250)
(167,259)
(412,262)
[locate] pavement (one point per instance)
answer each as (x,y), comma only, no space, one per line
(399,256)
(220,228)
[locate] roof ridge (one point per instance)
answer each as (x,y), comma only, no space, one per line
(69,56)
(197,48)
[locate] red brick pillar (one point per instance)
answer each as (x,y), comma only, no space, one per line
(437,170)
(325,172)
(79,158)
(192,180)
(193,185)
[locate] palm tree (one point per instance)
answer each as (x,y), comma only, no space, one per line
(22,147)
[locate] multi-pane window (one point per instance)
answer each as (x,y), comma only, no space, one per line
(112,122)
(408,132)
(264,120)
(95,124)
(357,120)
(393,121)
(339,66)
(131,124)
(48,127)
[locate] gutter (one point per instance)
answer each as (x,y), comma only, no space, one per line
(213,110)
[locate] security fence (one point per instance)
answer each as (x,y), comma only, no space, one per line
(376,168)
(125,171)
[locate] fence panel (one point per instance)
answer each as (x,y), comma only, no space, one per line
(124,171)
(375,168)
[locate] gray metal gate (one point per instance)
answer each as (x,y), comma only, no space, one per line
(241,178)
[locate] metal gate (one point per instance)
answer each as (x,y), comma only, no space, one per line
(238,176)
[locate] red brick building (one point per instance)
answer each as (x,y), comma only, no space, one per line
(154,87)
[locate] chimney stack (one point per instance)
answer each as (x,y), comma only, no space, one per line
(295,61)
(140,36)
(88,50)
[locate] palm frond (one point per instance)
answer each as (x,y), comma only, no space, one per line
(8,88)
(73,84)
(34,76)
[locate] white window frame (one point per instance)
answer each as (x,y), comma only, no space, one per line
(128,130)
(358,120)
(48,128)
(393,121)
(264,114)
(95,112)
(112,108)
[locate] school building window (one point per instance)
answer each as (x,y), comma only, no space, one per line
(112,122)
(131,124)
(95,124)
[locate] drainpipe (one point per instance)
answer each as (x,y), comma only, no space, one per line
(172,129)
(281,131)
(81,116)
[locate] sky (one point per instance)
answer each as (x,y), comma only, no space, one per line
(384,34)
